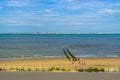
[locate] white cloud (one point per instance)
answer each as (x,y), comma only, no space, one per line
(88,15)
(18,3)
(69,23)
(108,11)
(1,7)
(51,13)
(78,4)
(113,4)
(70,1)
(17,22)
(21,18)
(85,5)
(48,10)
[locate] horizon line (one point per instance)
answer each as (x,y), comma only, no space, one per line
(58,33)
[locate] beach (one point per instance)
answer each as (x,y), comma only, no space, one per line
(43,52)
(109,64)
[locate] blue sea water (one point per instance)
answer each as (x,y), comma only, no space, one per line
(23,46)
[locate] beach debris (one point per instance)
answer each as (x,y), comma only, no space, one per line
(74,59)
(118,69)
(29,69)
(90,69)
(56,69)
(1,69)
(36,69)
(43,70)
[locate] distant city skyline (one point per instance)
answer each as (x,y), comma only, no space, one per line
(60,16)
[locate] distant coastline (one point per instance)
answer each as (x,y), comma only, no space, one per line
(59,33)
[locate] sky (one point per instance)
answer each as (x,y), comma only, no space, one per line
(60,16)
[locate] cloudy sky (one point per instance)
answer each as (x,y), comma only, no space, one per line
(60,16)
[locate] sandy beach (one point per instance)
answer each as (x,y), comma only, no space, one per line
(62,63)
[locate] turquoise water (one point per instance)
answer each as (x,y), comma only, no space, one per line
(22,46)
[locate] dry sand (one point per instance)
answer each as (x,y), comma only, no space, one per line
(106,63)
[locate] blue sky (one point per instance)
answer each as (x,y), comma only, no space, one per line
(60,16)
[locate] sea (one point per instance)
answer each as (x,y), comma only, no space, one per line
(36,46)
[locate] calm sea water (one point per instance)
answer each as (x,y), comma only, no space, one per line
(22,46)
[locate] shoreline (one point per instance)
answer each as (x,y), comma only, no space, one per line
(107,63)
(12,59)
